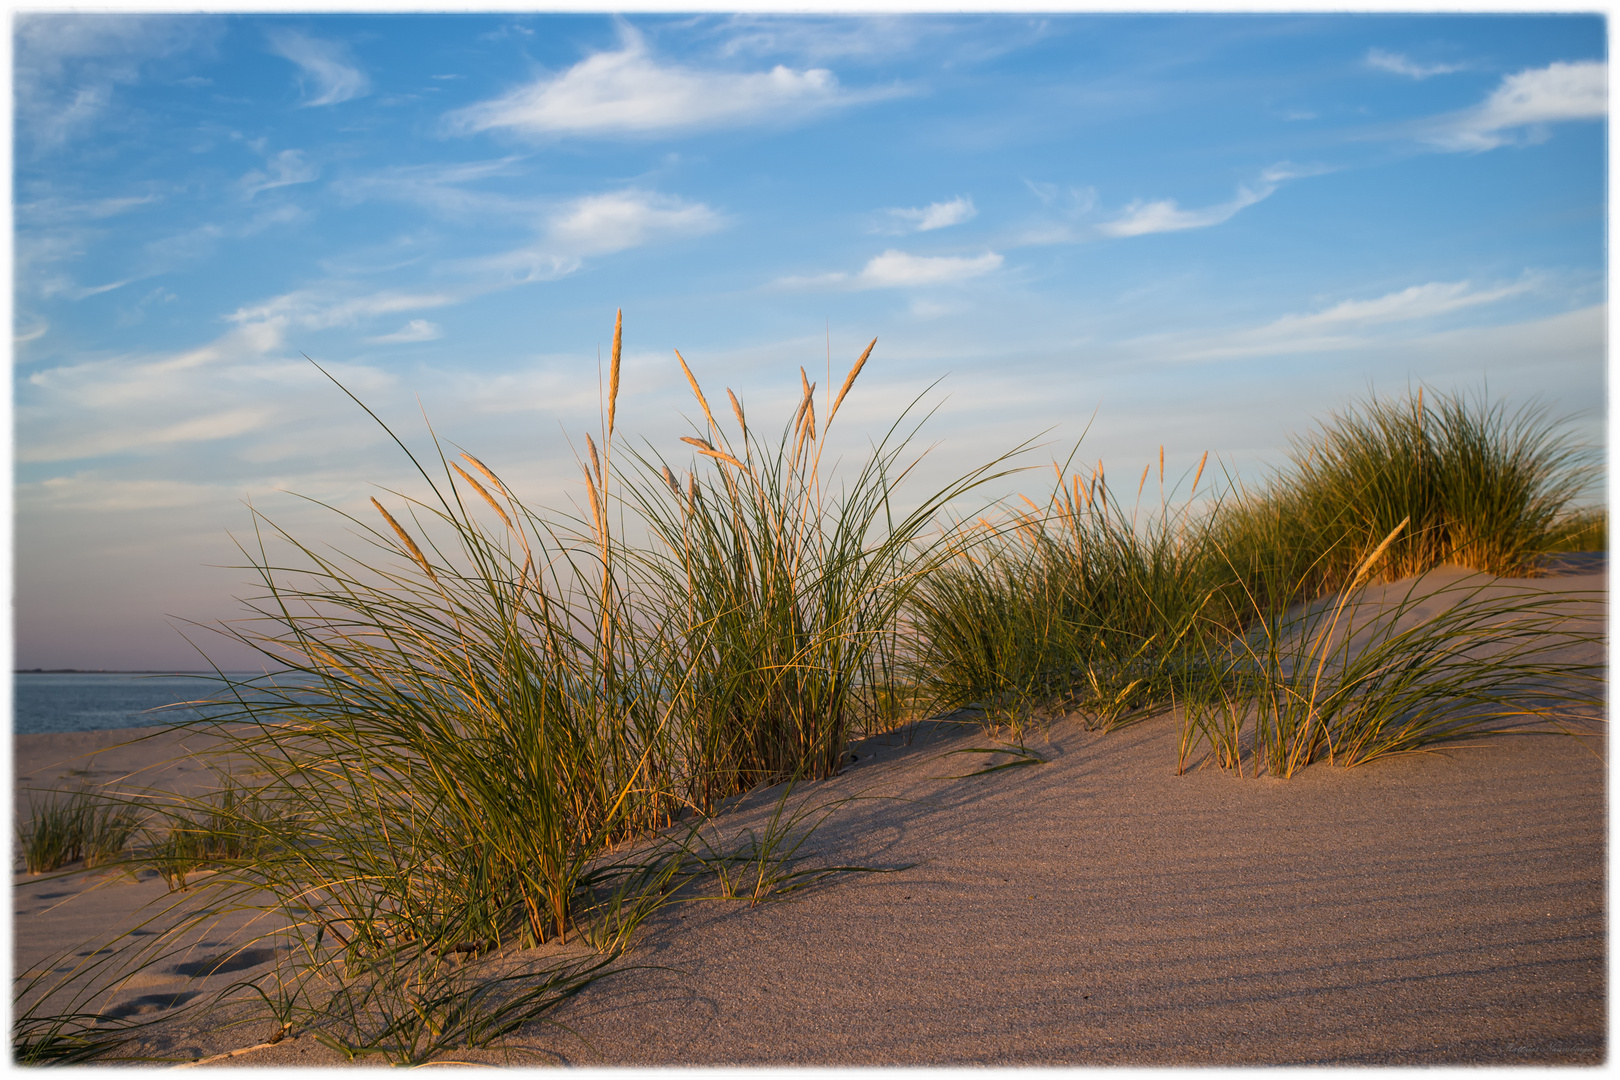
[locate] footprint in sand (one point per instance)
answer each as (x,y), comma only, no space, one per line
(240,960)
(149,978)
(150,1003)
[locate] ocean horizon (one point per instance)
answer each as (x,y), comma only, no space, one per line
(46,701)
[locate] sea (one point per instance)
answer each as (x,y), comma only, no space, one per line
(58,701)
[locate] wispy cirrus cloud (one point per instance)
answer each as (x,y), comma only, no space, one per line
(413,331)
(939,215)
(619,220)
(598,224)
(1143,216)
(898,269)
(67,67)
(631,93)
(1530,99)
(1349,323)
(448,189)
(326,73)
(1399,64)
(319,309)
(283,169)
(54,210)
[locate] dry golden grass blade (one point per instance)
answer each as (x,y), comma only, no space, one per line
(1379,550)
(691,381)
(806,403)
(596,506)
(1143,485)
(476,486)
(701,444)
(849,381)
(596,460)
(802,420)
(1200,472)
(736,408)
(721,455)
(405,538)
(1161,464)
(490,476)
(1030,501)
(613,372)
(669,478)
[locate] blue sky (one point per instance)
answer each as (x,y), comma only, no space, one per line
(1202,231)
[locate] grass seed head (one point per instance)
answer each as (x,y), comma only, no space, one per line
(613,372)
(849,381)
(476,486)
(405,538)
(691,381)
(490,476)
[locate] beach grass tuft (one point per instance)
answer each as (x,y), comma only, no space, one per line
(63,828)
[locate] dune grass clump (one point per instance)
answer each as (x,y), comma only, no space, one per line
(1581,529)
(229,826)
(494,711)
(1085,605)
(1482,487)
(1081,603)
(784,593)
(1338,684)
(63,829)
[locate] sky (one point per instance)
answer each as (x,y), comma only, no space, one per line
(1206,232)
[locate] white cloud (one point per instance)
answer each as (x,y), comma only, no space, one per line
(938,215)
(1395,62)
(1142,217)
(95,491)
(66,66)
(287,167)
(1348,323)
(897,269)
(54,210)
(311,309)
(1529,99)
(599,224)
(630,93)
(619,220)
(415,330)
(94,290)
(442,187)
(325,71)
(1287,170)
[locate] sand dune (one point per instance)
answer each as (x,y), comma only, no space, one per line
(1096,909)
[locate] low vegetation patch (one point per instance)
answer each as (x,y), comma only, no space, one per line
(65,828)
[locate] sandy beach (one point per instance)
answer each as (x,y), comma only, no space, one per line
(1097,909)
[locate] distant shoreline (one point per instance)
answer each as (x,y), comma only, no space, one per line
(122,671)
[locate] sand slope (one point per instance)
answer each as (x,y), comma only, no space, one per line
(1099,909)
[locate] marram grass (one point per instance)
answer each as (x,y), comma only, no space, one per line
(497,709)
